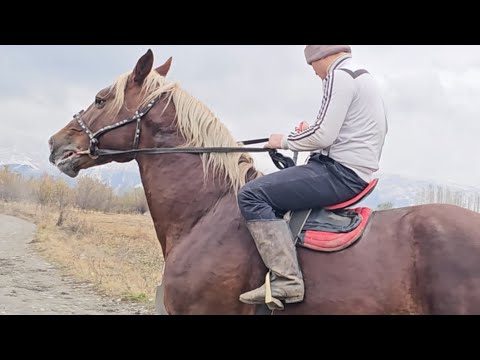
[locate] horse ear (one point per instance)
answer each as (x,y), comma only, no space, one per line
(165,68)
(143,67)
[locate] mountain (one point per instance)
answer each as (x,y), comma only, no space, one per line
(23,169)
(399,190)
(120,177)
(404,191)
(20,163)
(13,157)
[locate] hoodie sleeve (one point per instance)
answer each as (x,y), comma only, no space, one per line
(338,95)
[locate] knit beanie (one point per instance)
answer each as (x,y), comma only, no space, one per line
(317,52)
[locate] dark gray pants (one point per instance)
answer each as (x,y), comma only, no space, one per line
(322,182)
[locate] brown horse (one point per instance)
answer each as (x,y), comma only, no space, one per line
(416,260)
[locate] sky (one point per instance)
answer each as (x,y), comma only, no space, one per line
(432,94)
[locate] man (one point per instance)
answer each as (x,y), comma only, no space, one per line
(345,142)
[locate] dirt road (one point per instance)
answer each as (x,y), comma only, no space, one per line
(30,285)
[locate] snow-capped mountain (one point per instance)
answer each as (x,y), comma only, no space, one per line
(119,176)
(21,163)
(12,156)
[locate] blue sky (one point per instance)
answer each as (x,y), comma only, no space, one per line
(432,94)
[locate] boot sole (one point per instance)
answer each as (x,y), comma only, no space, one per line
(293,300)
(276,304)
(248,302)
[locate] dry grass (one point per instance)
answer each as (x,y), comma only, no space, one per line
(118,253)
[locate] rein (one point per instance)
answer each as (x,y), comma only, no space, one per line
(280,161)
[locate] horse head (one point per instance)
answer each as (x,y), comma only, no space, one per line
(112,121)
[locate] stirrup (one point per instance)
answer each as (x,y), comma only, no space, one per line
(272,303)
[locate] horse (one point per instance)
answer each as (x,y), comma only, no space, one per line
(412,260)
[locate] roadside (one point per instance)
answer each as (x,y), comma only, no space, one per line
(31,285)
(113,260)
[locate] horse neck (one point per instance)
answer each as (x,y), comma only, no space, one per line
(177,192)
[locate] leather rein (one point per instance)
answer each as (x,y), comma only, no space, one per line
(280,161)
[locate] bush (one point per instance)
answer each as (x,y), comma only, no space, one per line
(88,194)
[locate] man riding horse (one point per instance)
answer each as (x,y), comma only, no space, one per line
(346,143)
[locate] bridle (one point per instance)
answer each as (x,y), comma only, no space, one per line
(93,151)
(280,161)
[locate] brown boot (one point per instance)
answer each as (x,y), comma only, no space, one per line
(274,242)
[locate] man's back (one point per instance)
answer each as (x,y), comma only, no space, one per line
(360,141)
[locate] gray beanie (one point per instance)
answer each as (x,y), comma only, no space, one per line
(317,52)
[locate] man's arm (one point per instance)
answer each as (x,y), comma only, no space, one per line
(339,91)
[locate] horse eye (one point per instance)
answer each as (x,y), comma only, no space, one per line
(99,102)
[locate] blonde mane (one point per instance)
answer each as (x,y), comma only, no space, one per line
(198,126)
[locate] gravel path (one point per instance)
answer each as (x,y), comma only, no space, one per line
(30,285)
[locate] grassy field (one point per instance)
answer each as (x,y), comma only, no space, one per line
(118,253)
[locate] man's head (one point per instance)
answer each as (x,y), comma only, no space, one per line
(322,56)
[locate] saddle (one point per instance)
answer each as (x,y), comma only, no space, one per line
(333,228)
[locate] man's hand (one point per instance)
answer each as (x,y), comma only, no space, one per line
(302,127)
(275,142)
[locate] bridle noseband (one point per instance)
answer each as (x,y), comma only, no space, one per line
(280,161)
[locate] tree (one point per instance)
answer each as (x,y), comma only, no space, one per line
(12,185)
(92,194)
(133,201)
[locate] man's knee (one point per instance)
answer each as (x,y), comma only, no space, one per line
(248,196)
